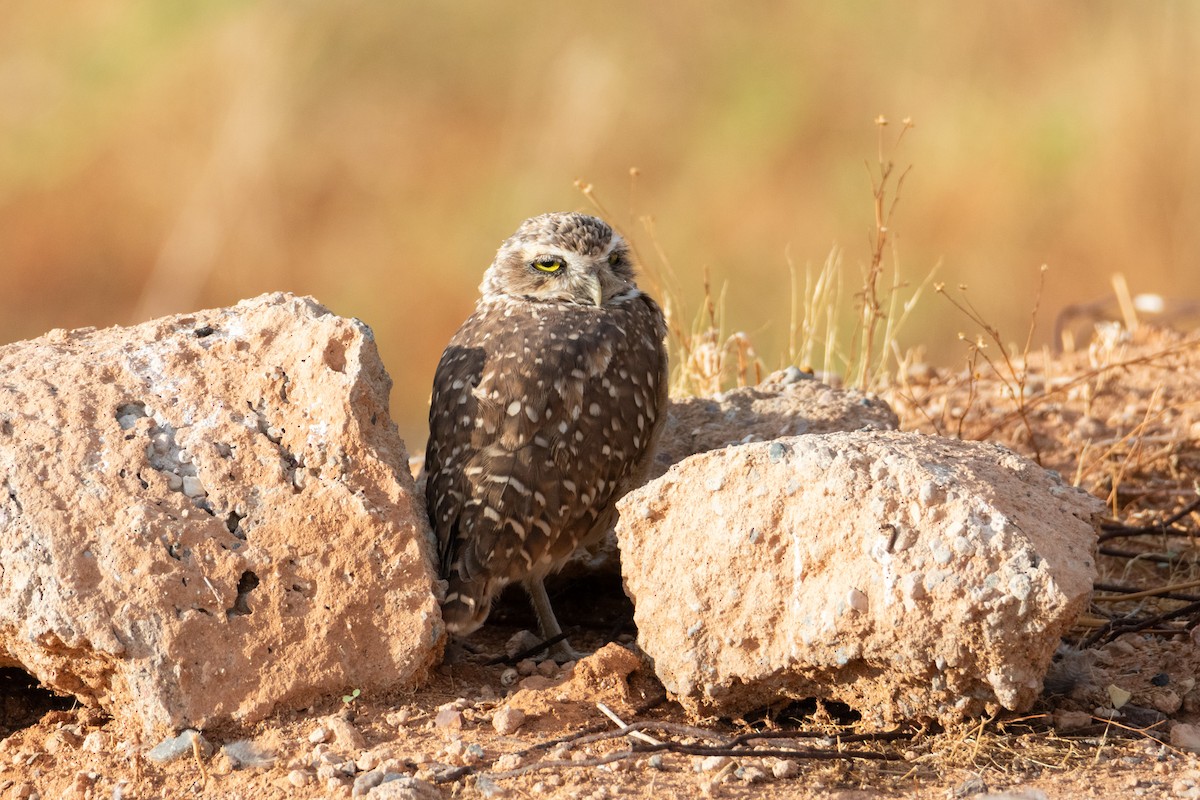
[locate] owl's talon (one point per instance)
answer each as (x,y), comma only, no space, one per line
(562,652)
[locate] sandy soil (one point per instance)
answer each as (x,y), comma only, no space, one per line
(1122,419)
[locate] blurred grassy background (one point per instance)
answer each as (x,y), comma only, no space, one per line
(158,157)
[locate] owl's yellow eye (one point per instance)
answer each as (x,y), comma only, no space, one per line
(614,259)
(548,264)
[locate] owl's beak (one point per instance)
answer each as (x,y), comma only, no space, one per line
(592,288)
(602,285)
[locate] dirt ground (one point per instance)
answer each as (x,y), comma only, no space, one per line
(1122,419)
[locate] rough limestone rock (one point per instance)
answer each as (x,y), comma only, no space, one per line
(908,576)
(787,403)
(206,516)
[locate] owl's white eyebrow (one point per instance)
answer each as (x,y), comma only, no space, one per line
(542,254)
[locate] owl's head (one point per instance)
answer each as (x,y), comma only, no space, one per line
(562,258)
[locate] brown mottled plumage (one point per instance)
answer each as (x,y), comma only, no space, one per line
(546,408)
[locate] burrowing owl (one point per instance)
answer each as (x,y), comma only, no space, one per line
(546,407)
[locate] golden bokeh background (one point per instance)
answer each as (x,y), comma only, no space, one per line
(159,157)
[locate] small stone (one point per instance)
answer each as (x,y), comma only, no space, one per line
(547,668)
(526,667)
(713,763)
(453,752)
(449,719)
(192,486)
(1161,679)
(752,774)
(298,778)
(345,733)
(365,782)
(399,717)
(1185,736)
(1166,701)
(245,753)
(1067,721)
(507,762)
(973,785)
(794,374)
(94,742)
(857,600)
(509,676)
(785,769)
(172,748)
(488,787)
(83,783)
(62,738)
(1120,647)
(507,720)
(318,735)
(1017,793)
(405,787)
(1117,695)
(521,641)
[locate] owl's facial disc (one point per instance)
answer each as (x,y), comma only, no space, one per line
(567,277)
(561,258)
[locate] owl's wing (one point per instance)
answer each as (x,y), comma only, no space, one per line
(539,418)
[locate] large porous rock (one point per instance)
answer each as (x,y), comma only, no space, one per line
(206,516)
(787,403)
(909,576)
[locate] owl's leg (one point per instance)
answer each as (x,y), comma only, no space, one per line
(548,623)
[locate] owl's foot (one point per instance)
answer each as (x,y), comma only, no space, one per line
(548,624)
(563,652)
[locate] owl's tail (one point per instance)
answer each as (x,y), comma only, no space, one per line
(468,603)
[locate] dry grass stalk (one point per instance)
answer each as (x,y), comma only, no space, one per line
(1012,372)
(870,302)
